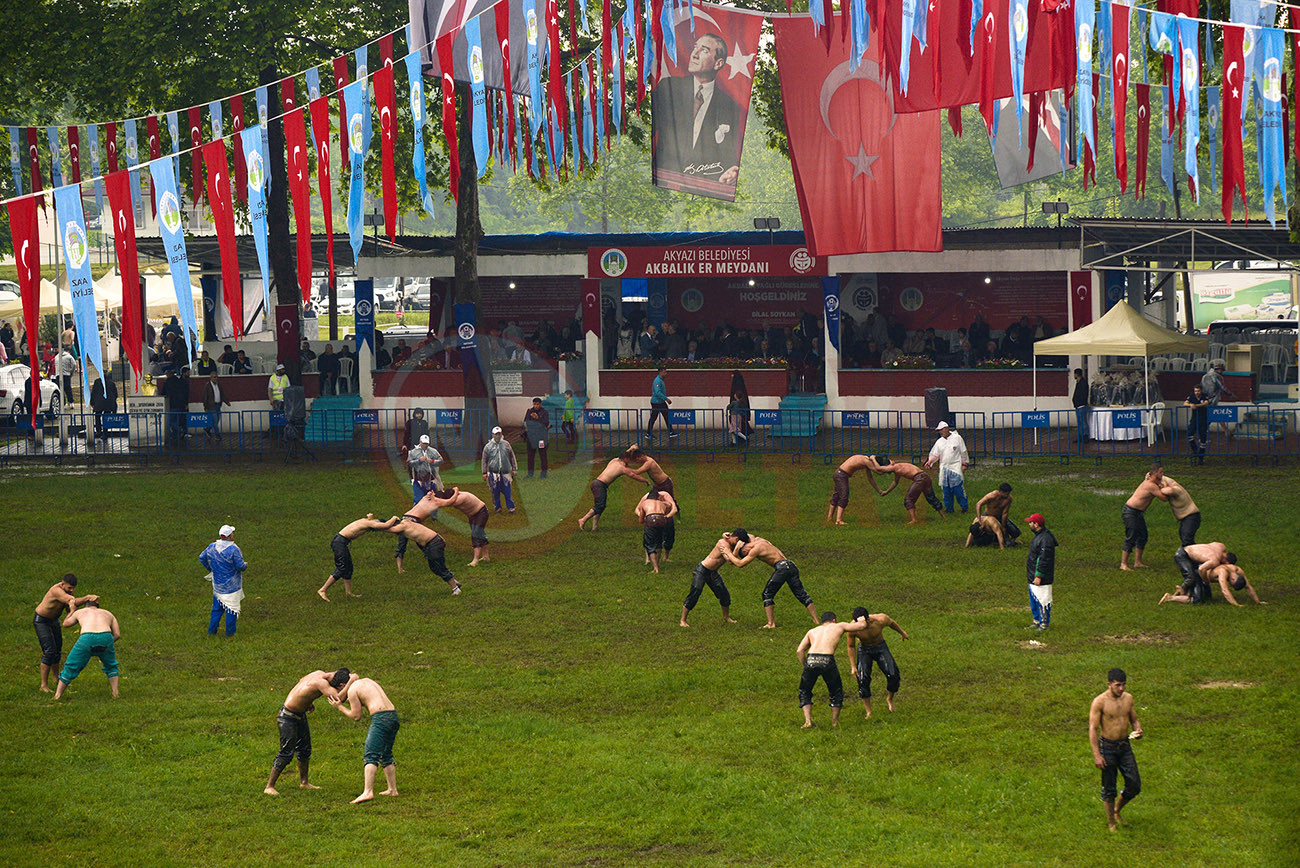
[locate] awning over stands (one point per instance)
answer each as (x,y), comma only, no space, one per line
(1121,331)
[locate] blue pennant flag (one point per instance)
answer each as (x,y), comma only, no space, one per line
(1166,141)
(620,80)
(358,106)
(416,82)
(255,159)
(648,50)
(132,161)
(56,158)
(364,308)
(1164,39)
(173,238)
(520,135)
(905,51)
(1142,21)
(1272,162)
(313,93)
(919,26)
(1018,34)
(478,120)
(536,97)
(71,223)
(588,126)
(1105,48)
(668,20)
(976,15)
(1063,124)
(262,117)
(554,138)
(582,15)
(1085,14)
(600,114)
(1212,133)
(1190,58)
(363,70)
(575,141)
(174,130)
(92,140)
(15,164)
(214,118)
(859,32)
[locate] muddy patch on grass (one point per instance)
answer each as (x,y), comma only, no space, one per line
(1111,492)
(1215,685)
(1142,639)
(1031,645)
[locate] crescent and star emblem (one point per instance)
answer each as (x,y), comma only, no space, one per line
(590,299)
(868,70)
(286,326)
(1232,67)
(22,260)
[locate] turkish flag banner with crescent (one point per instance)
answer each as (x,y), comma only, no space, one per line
(295,137)
(155,151)
(237,138)
(1080,299)
(386,100)
(74,154)
(868,179)
(196,168)
(320,125)
(118,187)
(1144,139)
(223,215)
(27,258)
(1119,87)
(286,331)
(110,144)
(1234,166)
(590,307)
(444,46)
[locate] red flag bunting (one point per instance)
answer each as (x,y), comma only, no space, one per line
(223,216)
(196,170)
(74,154)
(988,31)
(502,13)
(295,137)
(1295,58)
(320,126)
(155,151)
(1089,152)
(26,234)
(867,178)
(340,79)
(1119,16)
(1036,101)
(286,94)
(118,187)
(241,165)
(556,85)
(638,47)
(110,144)
(1234,166)
(1143,92)
(386,100)
(444,46)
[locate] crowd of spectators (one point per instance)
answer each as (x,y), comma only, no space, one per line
(880,339)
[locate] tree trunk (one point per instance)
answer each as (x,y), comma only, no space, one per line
(279,244)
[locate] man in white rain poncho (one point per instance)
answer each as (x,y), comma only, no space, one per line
(226,566)
(950,452)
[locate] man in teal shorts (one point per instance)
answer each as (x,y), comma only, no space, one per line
(366,693)
(98,632)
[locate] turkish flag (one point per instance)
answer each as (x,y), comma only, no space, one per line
(241,167)
(196,170)
(74,153)
(155,151)
(1234,166)
(1119,16)
(638,47)
(223,215)
(1089,155)
(1080,299)
(502,13)
(987,32)
(1144,139)
(1050,34)
(110,144)
(286,94)
(340,79)
(590,307)
(444,46)
(26,230)
(847,145)
(320,126)
(386,99)
(295,138)
(118,187)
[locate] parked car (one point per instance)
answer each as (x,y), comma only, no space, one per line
(13,381)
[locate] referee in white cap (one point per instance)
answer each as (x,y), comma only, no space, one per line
(225,564)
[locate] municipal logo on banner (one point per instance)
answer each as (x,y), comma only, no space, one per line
(355,132)
(74,242)
(801,261)
(613,262)
(767,417)
(465,326)
(169,211)
(1034,419)
(476,64)
(256,171)
(595,417)
(364,309)
(466,333)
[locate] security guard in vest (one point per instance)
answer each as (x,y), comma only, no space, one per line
(275,387)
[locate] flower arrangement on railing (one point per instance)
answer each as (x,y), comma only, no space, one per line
(999,364)
(569,357)
(912,362)
(512,365)
(728,362)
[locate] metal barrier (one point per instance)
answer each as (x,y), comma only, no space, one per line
(1229,430)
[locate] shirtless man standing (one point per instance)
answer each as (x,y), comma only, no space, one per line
(1185,510)
(1134,515)
(655,512)
(99,630)
(816,655)
(341,546)
(997,503)
(433,546)
(1195,563)
(295,733)
(366,693)
(616,467)
(477,512)
(921,484)
(983,530)
(840,485)
(706,573)
(48,630)
(1109,721)
(871,646)
(783,571)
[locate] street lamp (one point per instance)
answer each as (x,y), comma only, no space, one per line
(1058,208)
(771,224)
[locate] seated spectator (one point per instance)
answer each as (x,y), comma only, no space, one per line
(745,345)
(521,355)
(401,352)
(243,365)
(871,358)
(1043,330)
(915,343)
(889,353)
(382,358)
(227,356)
(989,352)
(764,349)
(931,344)
(693,352)
(673,344)
(205,366)
(965,355)
(327,364)
(305,352)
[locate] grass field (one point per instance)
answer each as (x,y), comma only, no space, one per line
(555,714)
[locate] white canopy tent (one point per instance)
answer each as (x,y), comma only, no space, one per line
(1121,331)
(160,297)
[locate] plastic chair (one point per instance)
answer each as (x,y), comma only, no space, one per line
(1178,363)
(309,367)
(225,370)
(1275,359)
(1216,350)
(1161,363)
(1201,364)
(345,375)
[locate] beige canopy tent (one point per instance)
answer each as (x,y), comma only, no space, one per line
(1121,331)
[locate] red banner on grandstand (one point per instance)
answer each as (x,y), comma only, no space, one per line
(779,260)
